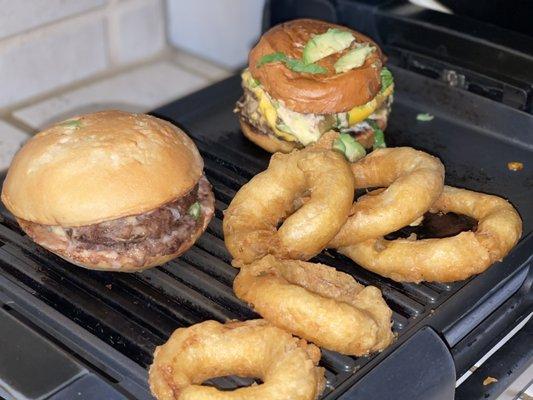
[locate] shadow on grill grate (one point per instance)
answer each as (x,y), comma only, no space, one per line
(136,312)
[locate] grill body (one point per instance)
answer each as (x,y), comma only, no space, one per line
(105,326)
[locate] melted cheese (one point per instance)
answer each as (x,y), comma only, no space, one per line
(266,108)
(304,127)
(360,113)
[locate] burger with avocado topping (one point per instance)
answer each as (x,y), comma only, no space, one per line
(306,77)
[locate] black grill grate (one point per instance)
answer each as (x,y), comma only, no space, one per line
(136,312)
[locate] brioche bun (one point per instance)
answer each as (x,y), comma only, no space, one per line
(98,167)
(268,142)
(327,93)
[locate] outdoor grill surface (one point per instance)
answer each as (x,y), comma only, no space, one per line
(108,324)
(91,335)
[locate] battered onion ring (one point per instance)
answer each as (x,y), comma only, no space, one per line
(252,217)
(317,303)
(448,259)
(415,180)
(285,364)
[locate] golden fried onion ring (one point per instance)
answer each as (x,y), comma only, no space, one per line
(287,365)
(317,303)
(448,259)
(415,180)
(252,217)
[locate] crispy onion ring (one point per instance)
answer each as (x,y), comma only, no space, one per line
(317,303)
(415,180)
(286,365)
(252,217)
(448,259)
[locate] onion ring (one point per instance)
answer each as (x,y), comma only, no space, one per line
(250,221)
(286,365)
(415,180)
(447,259)
(317,303)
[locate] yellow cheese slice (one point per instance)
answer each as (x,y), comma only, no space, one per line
(269,112)
(360,113)
(266,107)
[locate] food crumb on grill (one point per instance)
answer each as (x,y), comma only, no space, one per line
(515,166)
(488,380)
(412,237)
(424,117)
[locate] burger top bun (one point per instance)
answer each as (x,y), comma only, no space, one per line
(101,166)
(314,93)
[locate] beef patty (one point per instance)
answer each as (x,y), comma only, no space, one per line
(247,109)
(132,239)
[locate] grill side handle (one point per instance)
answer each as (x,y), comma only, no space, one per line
(422,368)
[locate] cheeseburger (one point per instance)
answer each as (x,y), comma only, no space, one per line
(110,191)
(306,77)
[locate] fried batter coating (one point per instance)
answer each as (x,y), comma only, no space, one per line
(317,303)
(275,195)
(414,181)
(447,259)
(286,365)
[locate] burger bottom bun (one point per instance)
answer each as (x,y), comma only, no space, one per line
(108,260)
(268,142)
(151,262)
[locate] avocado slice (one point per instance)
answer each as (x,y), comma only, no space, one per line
(350,147)
(353,59)
(325,44)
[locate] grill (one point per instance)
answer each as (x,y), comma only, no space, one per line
(136,312)
(107,324)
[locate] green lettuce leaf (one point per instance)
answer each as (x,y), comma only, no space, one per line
(293,64)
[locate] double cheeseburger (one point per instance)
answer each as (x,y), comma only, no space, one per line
(306,77)
(110,191)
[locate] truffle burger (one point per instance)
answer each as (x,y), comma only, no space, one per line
(306,77)
(110,191)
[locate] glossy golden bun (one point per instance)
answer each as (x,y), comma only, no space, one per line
(101,166)
(314,93)
(270,143)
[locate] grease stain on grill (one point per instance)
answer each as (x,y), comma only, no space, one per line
(232,382)
(436,226)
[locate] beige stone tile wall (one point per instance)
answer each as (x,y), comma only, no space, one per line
(59,58)
(48,44)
